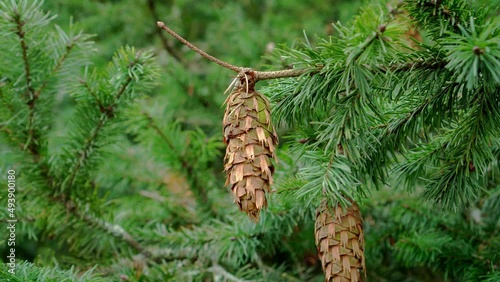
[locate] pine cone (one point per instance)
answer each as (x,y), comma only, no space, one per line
(250,138)
(340,243)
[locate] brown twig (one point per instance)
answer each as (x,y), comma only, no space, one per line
(258,75)
(263,75)
(167,44)
(198,50)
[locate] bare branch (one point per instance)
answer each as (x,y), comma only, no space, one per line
(263,75)
(167,44)
(198,50)
(259,75)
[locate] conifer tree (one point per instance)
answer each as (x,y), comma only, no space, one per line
(389,137)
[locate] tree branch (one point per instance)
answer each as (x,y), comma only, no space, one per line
(83,153)
(24,50)
(168,46)
(168,254)
(117,231)
(31,143)
(114,229)
(107,112)
(263,75)
(92,93)
(259,75)
(188,170)
(198,50)
(217,269)
(58,65)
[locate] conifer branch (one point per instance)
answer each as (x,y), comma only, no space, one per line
(117,231)
(158,131)
(169,254)
(83,154)
(438,4)
(92,93)
(194,183)
(56,68)
(369,40)
(258,75)
(31,143)
(217,269)
(24,50)
(113,229)
(110,228)
(263,75)
(413,65)
(167,44)
(198,50)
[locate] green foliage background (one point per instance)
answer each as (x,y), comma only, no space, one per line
(145,201)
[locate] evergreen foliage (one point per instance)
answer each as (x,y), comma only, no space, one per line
(367,93)
(119,156)
(29,272)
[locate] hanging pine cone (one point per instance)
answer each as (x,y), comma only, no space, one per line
(250,139)
(340,243)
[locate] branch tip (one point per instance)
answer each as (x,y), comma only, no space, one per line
(204,54)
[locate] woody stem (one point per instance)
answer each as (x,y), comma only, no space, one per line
(259,75)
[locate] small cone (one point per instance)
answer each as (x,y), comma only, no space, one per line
(250,139)
(340,243)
